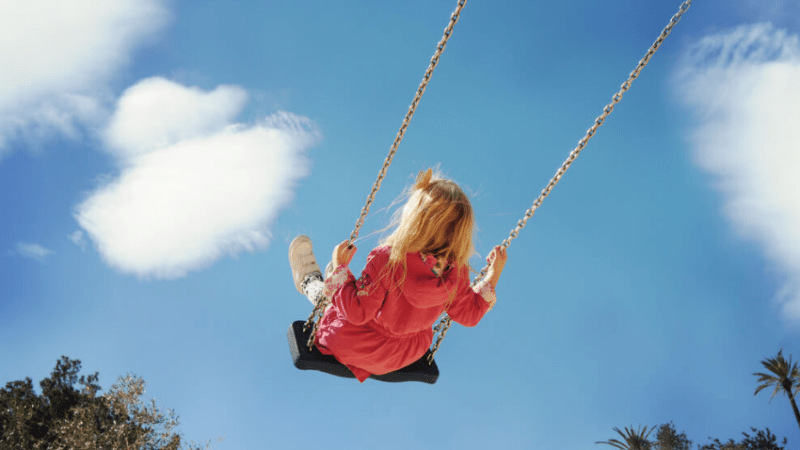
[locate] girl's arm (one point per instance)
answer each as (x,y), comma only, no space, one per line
(358,300)
(471,303)
(497,261)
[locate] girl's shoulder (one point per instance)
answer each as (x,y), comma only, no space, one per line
(380,253)
(381,250)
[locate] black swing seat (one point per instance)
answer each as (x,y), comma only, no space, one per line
(305,359)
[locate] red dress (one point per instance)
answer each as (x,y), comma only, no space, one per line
(376,325)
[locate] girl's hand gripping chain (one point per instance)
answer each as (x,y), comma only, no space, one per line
(342,254)
(496,260)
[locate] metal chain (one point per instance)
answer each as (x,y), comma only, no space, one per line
(315,318)
(319,309)
(440,328)
(444,324)
(411,109)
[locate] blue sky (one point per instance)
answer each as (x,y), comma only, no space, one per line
(157,157)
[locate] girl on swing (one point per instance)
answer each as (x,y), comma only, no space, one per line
(381,322)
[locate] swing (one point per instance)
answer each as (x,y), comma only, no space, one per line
(306,358)
(302,333)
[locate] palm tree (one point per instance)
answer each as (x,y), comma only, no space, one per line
(634,440)
(787,379)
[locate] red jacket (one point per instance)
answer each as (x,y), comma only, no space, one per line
(376,325)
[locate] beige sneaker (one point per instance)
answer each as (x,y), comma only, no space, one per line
(301,258)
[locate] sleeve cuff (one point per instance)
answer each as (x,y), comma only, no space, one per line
(337,279)
(486,290)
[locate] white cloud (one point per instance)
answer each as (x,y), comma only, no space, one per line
(32,251)
(182,112)
(78,239)
(193,187)
(56,58)
(742,87)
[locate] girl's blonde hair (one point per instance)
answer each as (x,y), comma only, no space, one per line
(437,219)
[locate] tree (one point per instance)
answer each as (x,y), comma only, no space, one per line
(634,440)
(667,438)
(64,417)
(18,407)
(762,440)
(786,379)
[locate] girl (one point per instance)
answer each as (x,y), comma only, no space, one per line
(382,321)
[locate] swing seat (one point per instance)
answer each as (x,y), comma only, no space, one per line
(305,359)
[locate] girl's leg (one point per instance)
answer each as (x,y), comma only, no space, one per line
(313,287)
(305,270)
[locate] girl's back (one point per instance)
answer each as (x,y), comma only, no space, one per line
(382,321)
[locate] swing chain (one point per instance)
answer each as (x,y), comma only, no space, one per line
(323,302)
(444,324)
(440,328)
(591,131)
(411,109)
(314,319)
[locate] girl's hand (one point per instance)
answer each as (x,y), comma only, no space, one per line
(342,254)
(497,260)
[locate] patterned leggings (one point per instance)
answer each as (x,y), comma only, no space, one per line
(314,285)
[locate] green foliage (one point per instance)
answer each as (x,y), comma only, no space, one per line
(762,440)
(633,439)
(20,408)
(667,438)
(69,414)
(785,376)
(786,379)
(782,374)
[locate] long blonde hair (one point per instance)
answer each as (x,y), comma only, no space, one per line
(437,219)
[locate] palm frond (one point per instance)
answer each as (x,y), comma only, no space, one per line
(614,443)
(762,387)
(634,439)
(778,388)
(764,377)
(786,376)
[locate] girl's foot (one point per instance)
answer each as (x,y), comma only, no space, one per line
(302,260)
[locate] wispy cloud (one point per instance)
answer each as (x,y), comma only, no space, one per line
(742,87)
(56,59)
(77,238)
(192,185)
(32,251)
